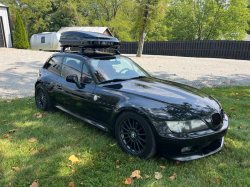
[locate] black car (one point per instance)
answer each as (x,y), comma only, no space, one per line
(147,115)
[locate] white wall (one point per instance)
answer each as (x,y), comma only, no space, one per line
(6,26)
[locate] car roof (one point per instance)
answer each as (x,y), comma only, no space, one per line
(87,54)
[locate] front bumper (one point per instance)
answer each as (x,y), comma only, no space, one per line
(201,144)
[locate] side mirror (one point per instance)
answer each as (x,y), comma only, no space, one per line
(74,79)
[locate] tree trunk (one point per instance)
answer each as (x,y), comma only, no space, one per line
(141,39)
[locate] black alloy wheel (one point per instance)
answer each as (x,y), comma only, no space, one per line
(134,135)
(42,98)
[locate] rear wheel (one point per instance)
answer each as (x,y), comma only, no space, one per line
(135,136)
(42,98)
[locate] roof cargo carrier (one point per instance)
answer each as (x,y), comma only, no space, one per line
(84,39)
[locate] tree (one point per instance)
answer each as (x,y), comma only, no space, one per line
(207,19)
(20,35)
(148,14)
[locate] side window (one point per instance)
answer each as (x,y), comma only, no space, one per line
(71,66)
(43,39)
(54,65)
(86,77)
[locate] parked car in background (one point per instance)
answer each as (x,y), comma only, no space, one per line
(147,115)
(47,41)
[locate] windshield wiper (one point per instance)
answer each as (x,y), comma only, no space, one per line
(113,80)
(139,77)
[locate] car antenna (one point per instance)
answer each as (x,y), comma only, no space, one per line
(117,52)
(81,50)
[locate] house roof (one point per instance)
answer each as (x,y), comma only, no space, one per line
(90,29)
(3,5)
(247,38)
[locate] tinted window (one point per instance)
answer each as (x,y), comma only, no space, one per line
(54,65)
(43,39)
(71,66)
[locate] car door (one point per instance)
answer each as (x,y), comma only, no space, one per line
(69,96)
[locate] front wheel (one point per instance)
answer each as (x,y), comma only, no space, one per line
(42,98)
(134,135)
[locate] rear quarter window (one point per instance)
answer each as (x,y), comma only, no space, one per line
(54,65)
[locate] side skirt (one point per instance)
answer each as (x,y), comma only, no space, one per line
(84,119)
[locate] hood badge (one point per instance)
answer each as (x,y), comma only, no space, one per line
(96,97)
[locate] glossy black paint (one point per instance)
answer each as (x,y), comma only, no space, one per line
(155,99)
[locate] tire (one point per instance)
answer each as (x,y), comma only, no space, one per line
(135,136)
(42,98)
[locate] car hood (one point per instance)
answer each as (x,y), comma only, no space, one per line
(175,95)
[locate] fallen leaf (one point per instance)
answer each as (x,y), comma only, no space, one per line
(71,184)
(15,168)
(32,139)
(117,166)
(177,162)
(3,121)
(13,130)
(47,161)
(39,116)
(112,145)
(132,160)
(6,136)
(231,140)
(21,145)
(129,181)
(136,174)
(172,178)
(233,108)
(217,180)
(92,164)
(44,114)
(243,95)
(147,176)
(158,175)
(162,167)
(74,159)
(241,127)
(69,124)
(1,168)
(9,101)
(34,151)
(249,105)
(117,161)
(73,171)
(41,150)
(174,174)
(74,127)
(223,164)
(34,184)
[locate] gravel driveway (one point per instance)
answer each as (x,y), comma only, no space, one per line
(19,70)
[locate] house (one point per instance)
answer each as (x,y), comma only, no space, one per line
(101,30)
(6,38)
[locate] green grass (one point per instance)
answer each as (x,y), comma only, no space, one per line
(87,143)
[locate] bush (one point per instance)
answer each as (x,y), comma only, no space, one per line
(19,36)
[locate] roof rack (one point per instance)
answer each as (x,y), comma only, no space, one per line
(84,40)
(82,49)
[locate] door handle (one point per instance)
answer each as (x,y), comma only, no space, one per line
(59,86)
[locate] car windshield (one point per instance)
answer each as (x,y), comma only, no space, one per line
(116,68)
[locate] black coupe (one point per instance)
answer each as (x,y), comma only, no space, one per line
(147,115)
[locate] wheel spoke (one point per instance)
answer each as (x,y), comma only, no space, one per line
(141,139)
(124,128)
(142,134)
(140,143)
(138,146)
(130,124)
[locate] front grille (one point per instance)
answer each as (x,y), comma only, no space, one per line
(216,119)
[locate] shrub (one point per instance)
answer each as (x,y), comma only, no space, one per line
(19,36)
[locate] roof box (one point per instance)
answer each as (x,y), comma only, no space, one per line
(86,39)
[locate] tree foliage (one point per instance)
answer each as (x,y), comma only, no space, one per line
(19,34)
(207,19)
(167,19)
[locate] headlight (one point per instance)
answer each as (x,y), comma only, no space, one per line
(186,126)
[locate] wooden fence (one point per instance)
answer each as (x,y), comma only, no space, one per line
(208,49)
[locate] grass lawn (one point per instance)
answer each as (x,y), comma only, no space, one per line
(58,136)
